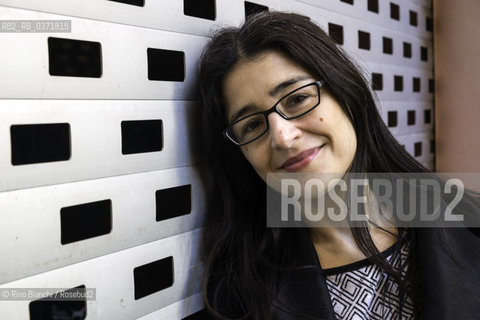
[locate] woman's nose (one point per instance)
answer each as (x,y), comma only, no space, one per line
(283,133)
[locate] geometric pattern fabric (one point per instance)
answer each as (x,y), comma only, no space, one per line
(363,291)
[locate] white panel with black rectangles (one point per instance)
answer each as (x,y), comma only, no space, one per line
(119,280)
(47,63)
(420,145)
(49,227)
(405,117)
(186,16)
(396,83)
(99,137)
(383,13)
(369,42)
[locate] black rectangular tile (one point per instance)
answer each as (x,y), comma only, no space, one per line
(153,277)
(138,3)
(397,83)
(377,81)
(336,32)
(139,136)
(173,202)
(38,143)
(372,6)
(50,309)
(85,221)
(392,118)
(204,9)
(394,11)
(166,65)
(363,40)
(387,45)
(74,58)
(253,8)
(411,118)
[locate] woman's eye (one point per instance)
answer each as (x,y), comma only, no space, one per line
(251,126)
(297,100)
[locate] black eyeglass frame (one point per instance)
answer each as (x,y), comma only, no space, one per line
(265,113)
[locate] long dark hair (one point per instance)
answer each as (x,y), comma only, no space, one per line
(244,260)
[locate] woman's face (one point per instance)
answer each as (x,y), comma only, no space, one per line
(321,141)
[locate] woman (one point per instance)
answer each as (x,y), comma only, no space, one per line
(257,123)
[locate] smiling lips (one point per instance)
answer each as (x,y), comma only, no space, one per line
(301,160)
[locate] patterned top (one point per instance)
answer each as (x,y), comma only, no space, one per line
(362,290)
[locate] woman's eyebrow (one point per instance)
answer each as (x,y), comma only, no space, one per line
(278,88)
(285,84)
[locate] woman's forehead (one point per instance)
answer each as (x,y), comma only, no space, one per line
(269,75)
(264,65)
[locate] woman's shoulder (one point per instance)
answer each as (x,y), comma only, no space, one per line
(448,261)
(461,246)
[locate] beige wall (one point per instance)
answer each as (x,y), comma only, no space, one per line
(457,85)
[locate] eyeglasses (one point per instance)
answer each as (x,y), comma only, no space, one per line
(291,106)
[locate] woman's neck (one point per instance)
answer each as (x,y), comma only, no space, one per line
(334,241)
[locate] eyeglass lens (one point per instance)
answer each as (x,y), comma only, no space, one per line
(292,105)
